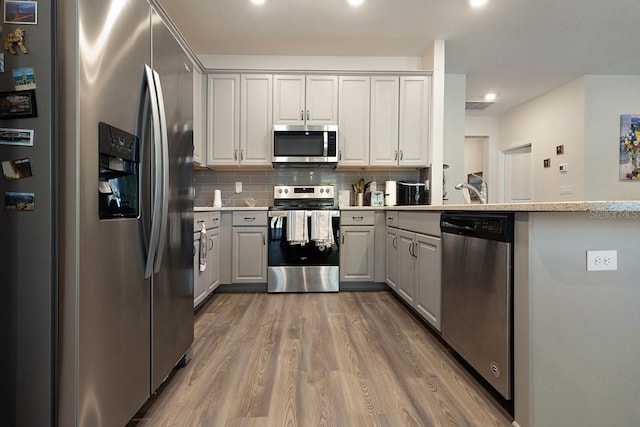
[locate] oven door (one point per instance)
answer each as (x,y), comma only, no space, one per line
(285,253)
(310,267)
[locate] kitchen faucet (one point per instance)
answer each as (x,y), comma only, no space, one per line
(482,194)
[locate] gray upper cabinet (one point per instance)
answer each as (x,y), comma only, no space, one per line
(240,115)
(256,117)
(223,119)
(305,100)
(385,95)
(413,135)
(353,120)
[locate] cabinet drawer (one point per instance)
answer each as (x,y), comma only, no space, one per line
(420,222)
(391,218)
(211,220)
(250,218)
(357,218)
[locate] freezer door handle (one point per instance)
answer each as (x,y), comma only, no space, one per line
(164,174)
(148,98)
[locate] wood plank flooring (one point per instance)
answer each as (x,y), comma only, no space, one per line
(345,359)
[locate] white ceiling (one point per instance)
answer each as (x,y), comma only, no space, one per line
(516,48)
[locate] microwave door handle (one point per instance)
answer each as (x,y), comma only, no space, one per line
(325,138)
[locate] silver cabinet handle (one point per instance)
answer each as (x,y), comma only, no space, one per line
(395,155)
(401,155)
(395,242)
(249,218)
(411,250)
(342,240)
(301,114)
(357,218)
(264,240)
(339,154)
(235,154)
(210,244)
(307,114)
(242,154)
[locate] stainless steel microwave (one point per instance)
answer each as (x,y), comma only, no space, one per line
(305,145)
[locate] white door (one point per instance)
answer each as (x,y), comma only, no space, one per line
(517,175)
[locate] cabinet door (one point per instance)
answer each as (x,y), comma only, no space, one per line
(392,258)
(383,139)
(353,120)
(213,260)
(429,254)
(288,99)
(256,119)
(406,262)
(199,277)
(356,254)
(199,121)
(321,100)
(414,120)
(223,113)
(249,261)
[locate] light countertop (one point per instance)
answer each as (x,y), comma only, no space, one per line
(576,206)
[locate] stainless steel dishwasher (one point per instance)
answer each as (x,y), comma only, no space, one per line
(477,292)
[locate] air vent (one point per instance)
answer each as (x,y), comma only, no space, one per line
(477,105)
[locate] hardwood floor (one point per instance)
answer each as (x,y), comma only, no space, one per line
(345,359)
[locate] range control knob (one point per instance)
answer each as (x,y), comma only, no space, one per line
(321,190)
(286,191)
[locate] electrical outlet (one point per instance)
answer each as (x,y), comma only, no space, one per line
(602,260)
(566,189)
(239,187)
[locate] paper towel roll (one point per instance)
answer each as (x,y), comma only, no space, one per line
(217,199)
(390,189)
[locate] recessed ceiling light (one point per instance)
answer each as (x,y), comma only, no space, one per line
(477,3)
(355,3)
(258,1)
(490,97)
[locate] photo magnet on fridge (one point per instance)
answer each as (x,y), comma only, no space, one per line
(20,12)
(24,78)
(16,169)
(23,202)
(10,136)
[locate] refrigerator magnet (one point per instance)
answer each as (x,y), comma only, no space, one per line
(24,79)
(21,202)
(22,137)
(20,12)
(16,169)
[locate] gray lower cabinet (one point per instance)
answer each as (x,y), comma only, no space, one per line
(391,261)
(205,282)
(249,247)
(428,256)
(357,246)
(406,266)
(414,261)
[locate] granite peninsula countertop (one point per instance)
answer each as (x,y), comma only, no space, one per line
(576,206)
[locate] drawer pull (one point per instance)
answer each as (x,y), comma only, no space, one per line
(249,218)
(357,218)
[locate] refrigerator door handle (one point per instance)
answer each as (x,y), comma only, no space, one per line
(148,98)
(164,171)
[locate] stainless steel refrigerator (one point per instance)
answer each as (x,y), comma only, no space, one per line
(115,278)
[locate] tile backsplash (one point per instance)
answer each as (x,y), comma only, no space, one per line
(259,184)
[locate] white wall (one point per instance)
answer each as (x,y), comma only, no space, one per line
(607,97)
(555,118)
(487,127)
(474,154)
(453,145)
